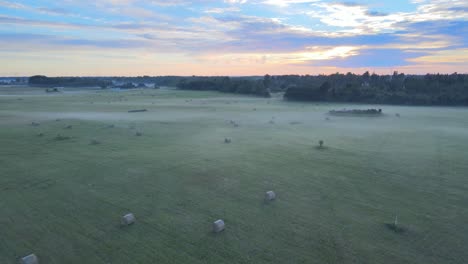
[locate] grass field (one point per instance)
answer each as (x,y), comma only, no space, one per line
(63,199)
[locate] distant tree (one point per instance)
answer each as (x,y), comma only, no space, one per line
(267,81)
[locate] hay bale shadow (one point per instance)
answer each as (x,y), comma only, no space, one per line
(396,228)
(61,138)
(321,147)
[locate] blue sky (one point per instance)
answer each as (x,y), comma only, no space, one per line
(232,37)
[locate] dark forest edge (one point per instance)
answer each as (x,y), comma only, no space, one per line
(398,88)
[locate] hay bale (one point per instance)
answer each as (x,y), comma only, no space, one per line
(94,142)
(127,219)
(227,140)
(138,134)
(35,124)
(40,134)
(30,259)
(68,127)
(270,196)
(218,226)
(397,115)
(295,123)
(137,110)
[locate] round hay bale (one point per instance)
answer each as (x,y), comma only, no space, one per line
(227,140)
(218,226)
(94,142)
(270,196)
(138,134)
(30,259)
(127,219)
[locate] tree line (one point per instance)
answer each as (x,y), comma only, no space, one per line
(41,80)
(398,88)
(245,85)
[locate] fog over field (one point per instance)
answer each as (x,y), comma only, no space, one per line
(233,131)
(73,162)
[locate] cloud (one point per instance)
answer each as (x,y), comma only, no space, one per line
(13,5)
(453,56)
(284,3)
(382,57)
(267,33)
(54,11)
(219,10)
(359,19)
(298,57)
(235,1)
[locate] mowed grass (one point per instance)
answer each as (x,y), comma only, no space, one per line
(63,199)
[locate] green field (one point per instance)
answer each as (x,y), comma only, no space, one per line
(63,199)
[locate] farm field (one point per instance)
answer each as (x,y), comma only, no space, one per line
(66,181)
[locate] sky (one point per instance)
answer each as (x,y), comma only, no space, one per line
(232,37)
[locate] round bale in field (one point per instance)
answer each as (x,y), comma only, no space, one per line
(218,226)
(270,196)
(127,219)
(94,142)
(30,259)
